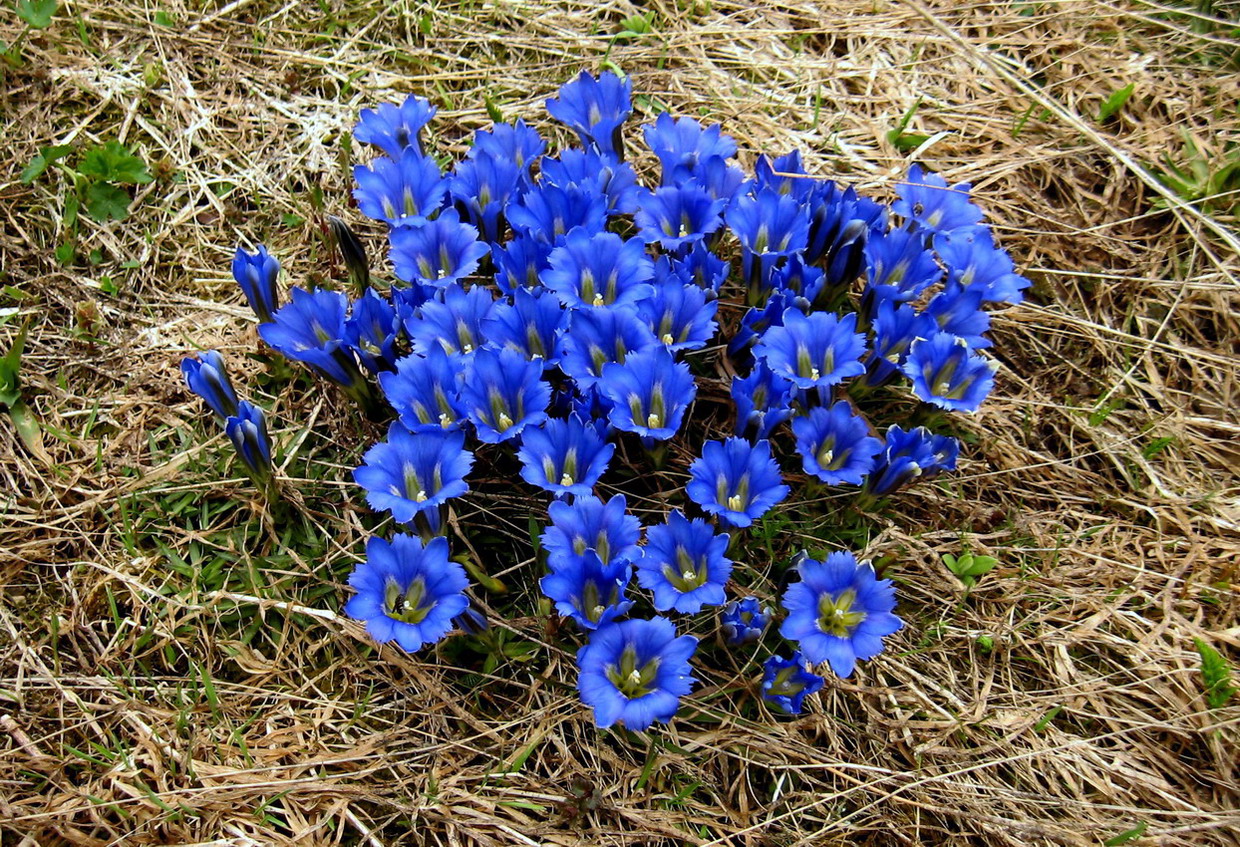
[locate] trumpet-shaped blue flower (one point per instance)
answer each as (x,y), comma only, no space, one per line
(564,456)
(635,672)
(684,564)
(532,325)
(597,337)
(816,350)
(677,217)
(896,327)
(595,109)
(763,401)
(682,144)
(256,273)
(520,262)
(311,329)
(518,143)
(909,455)
(839,612)
(784,175)
(548,212)
(947,374)
(957,310)
(392,128)
(736,481)
(206,377)
(503,393)
(744,620)
(702,268)
(650,392)
(425,390)
(770,226)
(454,323)
(247,430)
(836,445)
(438,252)
(681,315)
(973,260)
(595,173)
(588,590)
(754,324)
(406,191)
(798,279)
(899,267)
(786,682)
(722,180)
(407,592)
(599,269)
(926,199)
(413,473)
(590,524)
(480,188)
(371,332)
(832,236)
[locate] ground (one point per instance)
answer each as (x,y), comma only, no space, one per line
(174,667)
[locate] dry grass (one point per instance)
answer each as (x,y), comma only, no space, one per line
(223,701)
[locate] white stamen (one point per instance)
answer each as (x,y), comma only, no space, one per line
(504,421)
(653,421)
(635,677)
(566,479)
(598,300)
(444,420)
(735,504)
(687,575)
(420,497)
(667,338)
(814,373)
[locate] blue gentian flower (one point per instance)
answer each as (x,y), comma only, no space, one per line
(407,592)
(743,620)
(598,337)
(909,455)
(770,226)
(412,473)
(256,273)
(588,590)
(786,682)
(371,332)
(599,269)
(957,310)
(895,330)
(548,212)
(832,210)
(798,279)
(407,300)
(811,351)
(926,199)
(564,456)
(438,252)
(702,268)
(684,564)
(590,524)
(722,180)
(518,143)
(311,329)
(784,175)
(206,377)
(595,109)
(595,173)
(947,374)
(503,393)
(899,266)
(973,260)
(681,315)
(425,390)
(763,401)
(682,145)
(520,262)
(532,325)
(247,430)
(480,188)
(836,445)
(635,672)
(453,323)
(650,392)
(839,611)
(406,191)
(393,129)
(677,217)
(736,481)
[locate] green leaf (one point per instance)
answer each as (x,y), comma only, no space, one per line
(107,202)
(27,426)
(43,160)
(114,163)
(969,567)
(1157,445)
(1124,837)
(37,13)
(1115,102)
(10,364)
(1215,674)
(65,252)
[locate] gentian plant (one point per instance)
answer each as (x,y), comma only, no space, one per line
(577,321)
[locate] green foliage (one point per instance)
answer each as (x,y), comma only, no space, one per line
(1205,176)
(44,159)
(112,162)
(1111,106)
(37,13)
(1215,675)
(906,141)
(969,567)
(1124,837)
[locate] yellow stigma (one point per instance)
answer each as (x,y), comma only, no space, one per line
(635,676)
(735,504)
(566,479)
(687,575)
(503,422)
(444,420)
(653,421)
(667,338)
(598,300)
(814,373)
(420,497)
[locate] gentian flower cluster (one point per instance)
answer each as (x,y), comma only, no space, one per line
(551,308)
